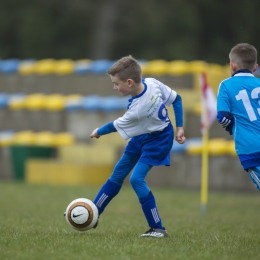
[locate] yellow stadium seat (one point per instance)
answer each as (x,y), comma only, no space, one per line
(54,102)
(217,146)
(64,67)
(64,139)
(35,101)
(155,67)
(45,66)
(215,74)
(24,138)
(194,148)
(215,69)
(198,66)
(178,67)
(44,138)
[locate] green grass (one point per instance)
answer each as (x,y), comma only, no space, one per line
(33,226)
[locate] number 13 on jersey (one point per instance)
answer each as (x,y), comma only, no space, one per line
(242,95)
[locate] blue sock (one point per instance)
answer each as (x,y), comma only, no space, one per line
(108,191)
(150,211)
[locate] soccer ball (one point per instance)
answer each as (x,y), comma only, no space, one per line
(81,214)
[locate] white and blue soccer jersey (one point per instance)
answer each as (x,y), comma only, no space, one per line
(147,111)
(240,96)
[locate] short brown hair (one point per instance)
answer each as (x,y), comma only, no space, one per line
(126,68)
(244,55)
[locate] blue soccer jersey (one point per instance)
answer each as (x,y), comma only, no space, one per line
(240,96)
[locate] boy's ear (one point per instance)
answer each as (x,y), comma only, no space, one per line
(130,82)
(233,66)
(255,68)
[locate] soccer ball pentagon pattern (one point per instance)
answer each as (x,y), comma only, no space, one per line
(81,214)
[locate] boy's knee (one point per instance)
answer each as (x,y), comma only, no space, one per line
(134,181)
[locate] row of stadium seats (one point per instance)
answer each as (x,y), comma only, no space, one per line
(58,102)
(30,138)
(48,138)
(216,147)
(192,146)
(67,66)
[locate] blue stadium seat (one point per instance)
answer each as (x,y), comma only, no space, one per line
(100,66)
(178,148)
(91,103)
(3,100)
(113,103)
(9,66)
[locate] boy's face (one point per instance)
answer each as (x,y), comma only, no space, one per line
(124,88)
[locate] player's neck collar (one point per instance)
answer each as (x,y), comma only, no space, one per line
(241,71)
(139,95)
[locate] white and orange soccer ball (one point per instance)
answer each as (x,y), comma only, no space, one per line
(81,214)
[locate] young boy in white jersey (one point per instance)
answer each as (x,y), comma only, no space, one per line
(147,123)
(238,106)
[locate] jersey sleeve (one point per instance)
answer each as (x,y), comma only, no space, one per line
(106,129)
(223,103)
(168,95)
(226,120)
(177,107)
(127,121)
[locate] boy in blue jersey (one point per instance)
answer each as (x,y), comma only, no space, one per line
(147,123)
(238,106)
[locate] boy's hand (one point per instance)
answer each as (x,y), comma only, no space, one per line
(95,134)
(180,138)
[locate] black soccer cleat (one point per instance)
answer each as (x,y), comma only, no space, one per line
(155,232)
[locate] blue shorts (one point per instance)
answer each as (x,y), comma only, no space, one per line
(152,149)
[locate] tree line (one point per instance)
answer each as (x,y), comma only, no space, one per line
(110,29)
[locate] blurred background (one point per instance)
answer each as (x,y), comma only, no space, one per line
(54,89)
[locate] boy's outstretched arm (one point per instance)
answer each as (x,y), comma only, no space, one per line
(103,130)
(177,107)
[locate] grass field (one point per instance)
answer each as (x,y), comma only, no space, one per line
(33,226)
